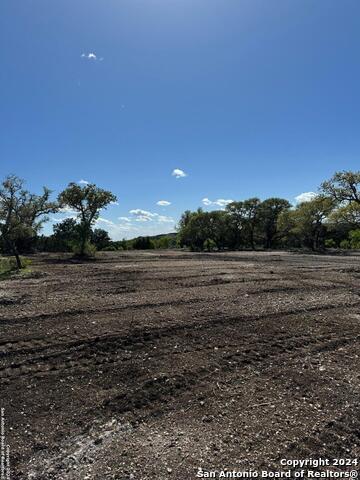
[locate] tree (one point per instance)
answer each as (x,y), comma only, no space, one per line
(245,218)
(201,227)
(307,222)
(86,201)
(209,245)
(343,187)
(142,243)
(65,234)
(348,215)
(354,237)
(100,238)
(269,212)
(21,213)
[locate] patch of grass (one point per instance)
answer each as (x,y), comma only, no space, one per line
(8,267)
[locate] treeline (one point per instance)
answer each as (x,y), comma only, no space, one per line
(145,243)
(330,219)
(65,238)
(22,215)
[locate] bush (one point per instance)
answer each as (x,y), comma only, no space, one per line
(142,243)
(209,245)
(345,244)
(330,243)
(89,250)
(110,248)
(354,237)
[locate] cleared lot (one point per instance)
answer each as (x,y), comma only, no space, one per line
(149,365)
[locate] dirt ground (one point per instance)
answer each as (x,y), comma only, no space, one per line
(148,365)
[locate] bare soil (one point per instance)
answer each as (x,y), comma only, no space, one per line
(147,365)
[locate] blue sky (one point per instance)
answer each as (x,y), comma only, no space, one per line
(247,97)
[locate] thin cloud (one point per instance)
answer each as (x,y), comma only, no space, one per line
(114,203)
(67,209)
(105,221)
(165,219)
(61,219)
(124,219)
(220,202)
(178,173)
(305,197)
(83,182)
(163,203)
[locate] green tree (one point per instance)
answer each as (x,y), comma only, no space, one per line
(142,243)
(100,238)
(354,237)
(347,214)
(209,245)
(307,222)
(201,226)
(86,201)
(245,219)
(343,187)
(21,213)
(269,211)
(66,233)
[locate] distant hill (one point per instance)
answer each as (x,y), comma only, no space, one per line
(157,237)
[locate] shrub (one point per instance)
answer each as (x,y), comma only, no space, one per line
(354,237)
(142,243)
(110,248)
(345,244)
(209,245)
(88,251)
(330,243)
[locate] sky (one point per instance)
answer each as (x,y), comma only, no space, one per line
(184,102)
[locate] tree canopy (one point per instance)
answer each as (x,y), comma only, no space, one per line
(86,201)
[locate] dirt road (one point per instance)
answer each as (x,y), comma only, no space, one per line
(147,365)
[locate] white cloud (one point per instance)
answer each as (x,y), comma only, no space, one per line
(139,211)
(145,216)
(305,197)
(83,182)
(163,203)
(89,56)
(124,219)
(114,203)
(178,173)
(220,202)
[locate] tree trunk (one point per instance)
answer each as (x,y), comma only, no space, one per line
(12,248)
(252,240)
(82,246)
(17,256)
(18,260)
